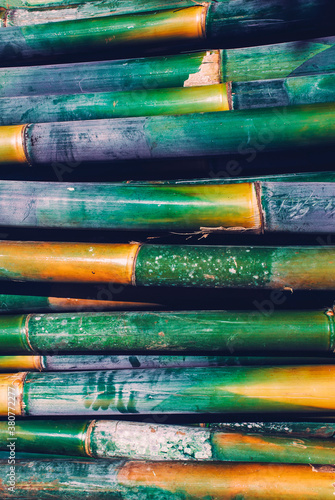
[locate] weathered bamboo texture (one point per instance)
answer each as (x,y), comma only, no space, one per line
(304,268)
(246,333)
(256,207)
(78,362)
(217,23)
(129,480)
(319,430)
(182,70)
(174,101)
(207,134)
(169,391)
(115,439)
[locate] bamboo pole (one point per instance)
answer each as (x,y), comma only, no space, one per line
(258,206)
(115,439)
(319,430)
(246,333)
(209,24)
(34,303)
(182,70)
(208,134)
(174,101)
(168,391)
(104,105)
(78,479)
(78,362)
(301,268)
(189,70)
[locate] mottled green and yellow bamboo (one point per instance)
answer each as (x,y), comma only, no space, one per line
(207,134)
(312,57)
(85,362)
(208,24)
(246,333)
(173,390)
(78,479)
(115,439)
(260,206)
(304,268)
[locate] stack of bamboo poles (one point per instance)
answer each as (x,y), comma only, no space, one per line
(116,393)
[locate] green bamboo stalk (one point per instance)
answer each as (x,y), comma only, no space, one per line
(115,439)
(174,101)
(256,206)
(207,134)
(182,70)
(85,362)
(322,430)
(173,390)
(116,6)
(246,333)
(83,479)
(35,303)
(304,268)
(104,105)
(210,24)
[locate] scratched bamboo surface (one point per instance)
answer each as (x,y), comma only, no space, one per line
(246,333)
(257,207)
(223,23)
(280,389)
(115,439)
(128,480)
(181,70)
(135,264)
(283,128)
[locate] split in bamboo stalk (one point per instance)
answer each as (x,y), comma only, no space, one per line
(209,24)
(256,207)
(82,479)
(77,362)
(115,439)
(290,333)
(313,57)
(321,430)
(174,101)
(173,390)
(207,134)
(301,268)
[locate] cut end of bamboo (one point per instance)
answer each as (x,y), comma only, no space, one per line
(12,144)
(15,363)
(11,394)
